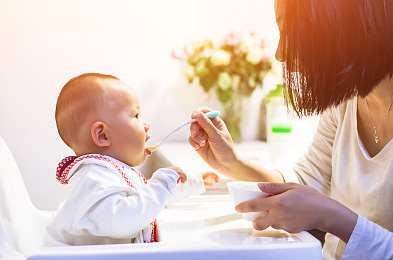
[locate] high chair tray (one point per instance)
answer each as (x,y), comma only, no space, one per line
(202,227)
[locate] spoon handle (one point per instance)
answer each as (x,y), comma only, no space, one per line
(209,114)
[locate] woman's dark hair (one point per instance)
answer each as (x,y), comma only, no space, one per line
(334,50)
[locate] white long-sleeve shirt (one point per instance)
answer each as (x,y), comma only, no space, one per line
(102,208)
(338,165)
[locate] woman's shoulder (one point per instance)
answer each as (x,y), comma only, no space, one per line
(337,117)
(338,113)
(344,107)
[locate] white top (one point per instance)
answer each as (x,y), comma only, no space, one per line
(338,165)
(102,209)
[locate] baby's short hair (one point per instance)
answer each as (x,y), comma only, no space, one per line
(81,96)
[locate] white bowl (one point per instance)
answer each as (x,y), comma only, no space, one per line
(241,191)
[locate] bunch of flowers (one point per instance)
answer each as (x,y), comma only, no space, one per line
(234,68)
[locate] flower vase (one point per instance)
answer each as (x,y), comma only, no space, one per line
(232,118)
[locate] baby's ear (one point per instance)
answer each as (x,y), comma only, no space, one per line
(99,134)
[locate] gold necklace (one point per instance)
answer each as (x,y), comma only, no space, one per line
(376,129)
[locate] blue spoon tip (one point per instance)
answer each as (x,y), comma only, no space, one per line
(213,114)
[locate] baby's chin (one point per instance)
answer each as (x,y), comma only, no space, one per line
(143,158)
(137,162)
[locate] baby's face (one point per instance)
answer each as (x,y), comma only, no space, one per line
(127,132)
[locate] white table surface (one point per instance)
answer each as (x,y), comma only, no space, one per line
(201,227)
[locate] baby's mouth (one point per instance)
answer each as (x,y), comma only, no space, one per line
(147,152)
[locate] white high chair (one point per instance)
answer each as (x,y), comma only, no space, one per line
(22,226)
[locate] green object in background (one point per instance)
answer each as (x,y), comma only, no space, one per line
(278,111)
(281,129)
(274,93)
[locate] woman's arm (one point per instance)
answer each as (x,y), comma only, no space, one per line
(369,241)
(245,170)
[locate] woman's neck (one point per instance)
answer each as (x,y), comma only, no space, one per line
(375,117)
(381,95)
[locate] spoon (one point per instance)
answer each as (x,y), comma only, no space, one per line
(155,147)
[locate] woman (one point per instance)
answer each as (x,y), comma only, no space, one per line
(338,62)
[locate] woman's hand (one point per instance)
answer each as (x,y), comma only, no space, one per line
(294,208)
(212,141)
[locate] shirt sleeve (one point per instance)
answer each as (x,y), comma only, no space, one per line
(369,241)
(314,168)
(193,186)
(119,211)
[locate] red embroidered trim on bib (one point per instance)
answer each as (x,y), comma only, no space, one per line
(67,163)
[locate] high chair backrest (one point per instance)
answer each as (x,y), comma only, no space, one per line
(23,225)
(6,251)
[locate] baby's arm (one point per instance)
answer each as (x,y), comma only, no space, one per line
(182,175)
(123,212)
(194,184)
(207,177)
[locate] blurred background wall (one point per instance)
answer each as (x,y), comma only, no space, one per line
(44,43)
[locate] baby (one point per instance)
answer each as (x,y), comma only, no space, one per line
(98,116)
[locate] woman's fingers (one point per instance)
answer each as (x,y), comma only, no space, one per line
(275,188)
(197,134)
(193,143)
(264,222)
(200,109)
(195,129)
(265,203)
(207,125)
(262,204)
(206,128)
(272,220)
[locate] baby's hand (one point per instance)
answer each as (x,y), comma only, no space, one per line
(208,177)
(182,175)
